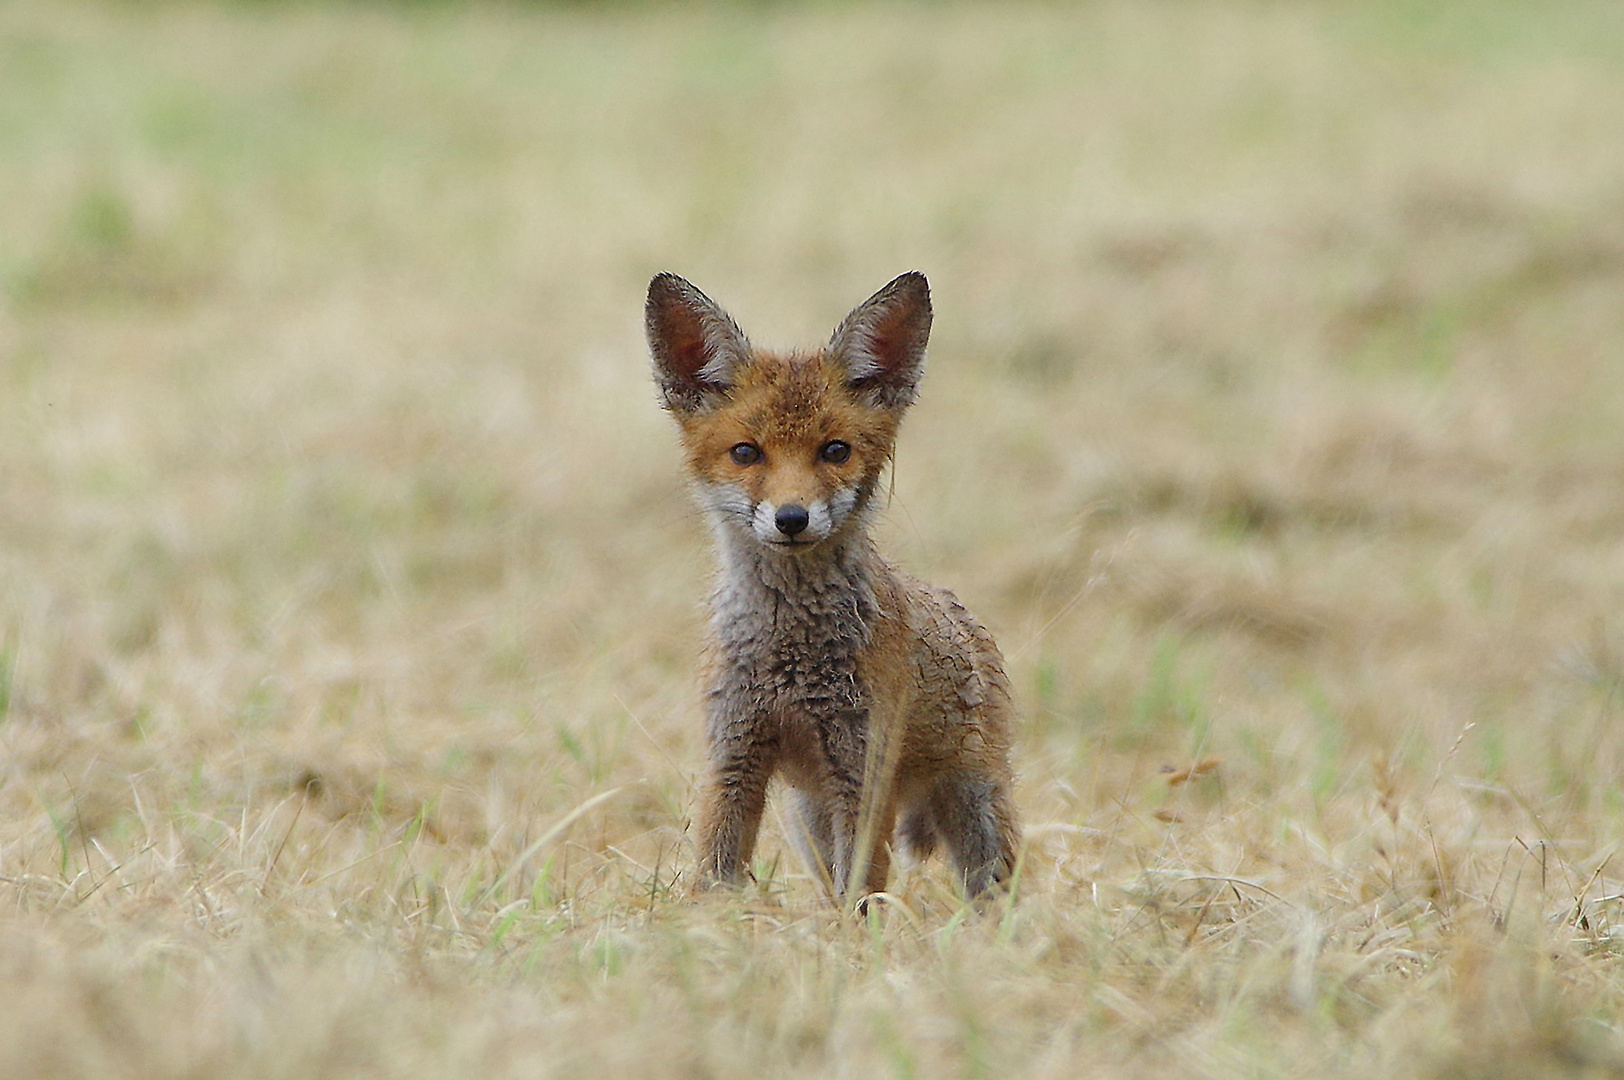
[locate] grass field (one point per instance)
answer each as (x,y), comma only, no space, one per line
(350,596)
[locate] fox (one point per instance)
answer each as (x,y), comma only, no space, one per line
(877,699)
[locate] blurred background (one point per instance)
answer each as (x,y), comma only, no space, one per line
(1274,423)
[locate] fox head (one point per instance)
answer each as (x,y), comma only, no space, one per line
(787,448)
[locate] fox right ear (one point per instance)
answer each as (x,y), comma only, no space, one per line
(695,344)
(883,341)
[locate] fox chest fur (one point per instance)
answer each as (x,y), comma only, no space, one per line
(786,645)
(878,699)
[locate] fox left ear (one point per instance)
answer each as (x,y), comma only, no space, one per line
(882,342)
(696,345)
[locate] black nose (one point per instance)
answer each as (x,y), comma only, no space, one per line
(790,519)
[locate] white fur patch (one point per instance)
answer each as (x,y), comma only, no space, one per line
(724,505)
(824,517)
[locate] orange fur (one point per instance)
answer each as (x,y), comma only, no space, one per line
(877,698)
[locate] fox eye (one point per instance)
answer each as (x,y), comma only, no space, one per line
(745,454)
(835,453)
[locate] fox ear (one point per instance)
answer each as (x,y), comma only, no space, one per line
(695,344)
(882,342)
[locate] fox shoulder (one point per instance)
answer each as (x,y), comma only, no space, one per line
(954,646)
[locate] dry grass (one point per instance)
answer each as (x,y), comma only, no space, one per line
(349,594)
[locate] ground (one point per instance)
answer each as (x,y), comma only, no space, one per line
(350,597)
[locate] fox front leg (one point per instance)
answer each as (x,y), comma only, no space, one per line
(861,805)
(871,851)
(735,793)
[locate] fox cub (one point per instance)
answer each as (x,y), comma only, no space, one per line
(879,700)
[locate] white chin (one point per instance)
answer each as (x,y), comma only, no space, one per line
(785,543)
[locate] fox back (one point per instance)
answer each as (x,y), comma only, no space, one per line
(879,700)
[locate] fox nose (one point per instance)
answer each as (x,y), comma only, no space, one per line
(791,519)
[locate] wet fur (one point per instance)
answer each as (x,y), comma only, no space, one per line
(876,697)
